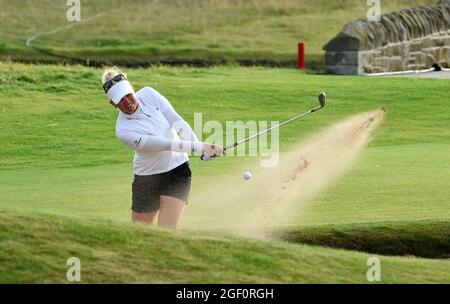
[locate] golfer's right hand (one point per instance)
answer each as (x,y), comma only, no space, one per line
(212,151)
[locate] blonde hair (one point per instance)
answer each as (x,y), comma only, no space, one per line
(109,74)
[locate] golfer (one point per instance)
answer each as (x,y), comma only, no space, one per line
(148,124)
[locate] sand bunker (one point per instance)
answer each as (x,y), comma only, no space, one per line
(275,196)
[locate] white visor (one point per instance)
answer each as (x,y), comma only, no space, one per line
(119,90)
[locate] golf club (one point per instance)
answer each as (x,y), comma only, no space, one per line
(322,101)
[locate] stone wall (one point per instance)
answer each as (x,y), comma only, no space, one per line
(411,39)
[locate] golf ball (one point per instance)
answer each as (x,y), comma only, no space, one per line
(247,175)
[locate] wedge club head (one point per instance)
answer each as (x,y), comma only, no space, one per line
(322,99)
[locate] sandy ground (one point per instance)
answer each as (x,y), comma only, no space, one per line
(276,196)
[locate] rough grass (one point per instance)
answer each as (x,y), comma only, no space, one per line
(35,249)
(171,30)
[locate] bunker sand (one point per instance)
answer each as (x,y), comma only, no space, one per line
(275,197)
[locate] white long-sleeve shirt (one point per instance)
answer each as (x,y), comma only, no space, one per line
(152,131)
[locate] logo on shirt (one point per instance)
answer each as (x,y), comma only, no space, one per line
(133,118)
(137,142)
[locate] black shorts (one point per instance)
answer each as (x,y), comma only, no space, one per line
(146,190)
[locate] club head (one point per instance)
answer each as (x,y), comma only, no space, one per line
(322,99)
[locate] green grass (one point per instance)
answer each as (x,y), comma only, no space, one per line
(173,30)
(123,253)
(389,183)
(65,179)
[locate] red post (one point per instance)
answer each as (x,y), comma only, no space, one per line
(301,56)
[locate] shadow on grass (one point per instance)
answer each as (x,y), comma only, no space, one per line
(428,239)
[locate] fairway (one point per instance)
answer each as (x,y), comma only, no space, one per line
(64,173)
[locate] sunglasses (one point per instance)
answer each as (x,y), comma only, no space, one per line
(108,85)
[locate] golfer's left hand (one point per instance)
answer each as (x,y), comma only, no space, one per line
(212,150)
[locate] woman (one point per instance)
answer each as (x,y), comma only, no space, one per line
(148,124)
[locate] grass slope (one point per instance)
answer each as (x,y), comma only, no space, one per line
(179,30)
(109,253)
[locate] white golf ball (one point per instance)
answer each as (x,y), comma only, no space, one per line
(247,175)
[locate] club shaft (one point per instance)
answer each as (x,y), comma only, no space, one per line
(269,130)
